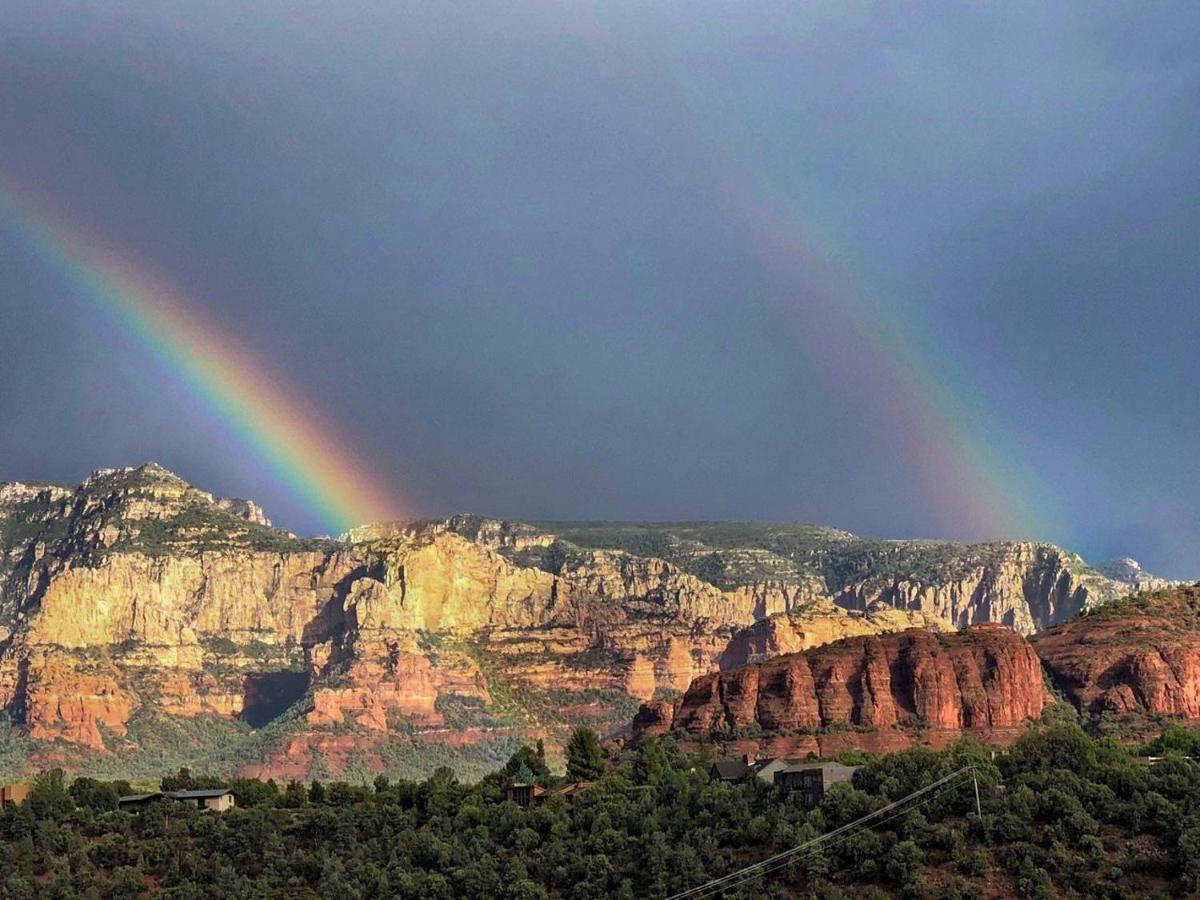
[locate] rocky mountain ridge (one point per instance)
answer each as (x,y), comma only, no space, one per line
(880,691)
(1121,668)
(135,604)
(1139,655)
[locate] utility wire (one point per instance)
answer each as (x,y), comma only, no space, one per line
(758,868)
(771,863)
(841,839)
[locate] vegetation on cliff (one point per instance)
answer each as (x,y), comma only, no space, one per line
(1063,816)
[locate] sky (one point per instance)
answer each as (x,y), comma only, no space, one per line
(912,270)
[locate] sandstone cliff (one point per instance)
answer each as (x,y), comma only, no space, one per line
(892,688)
(819,622)
(1026,586)
(1140,655)
(135,604)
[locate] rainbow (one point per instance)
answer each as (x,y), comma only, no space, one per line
(939,425)
(271,418)
(981,483)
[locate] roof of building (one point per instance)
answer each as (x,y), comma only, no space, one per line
(207,794)
(777,761)
(576,788)
(800,767)
(138,798)
(729,769)
(831,772)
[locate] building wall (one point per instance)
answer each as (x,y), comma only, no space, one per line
(14,794)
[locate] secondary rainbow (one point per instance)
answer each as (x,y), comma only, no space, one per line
(969,469)
(274,421)
(982,482)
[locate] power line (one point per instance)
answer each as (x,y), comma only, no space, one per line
(759,868)
(712,892)
(755,869)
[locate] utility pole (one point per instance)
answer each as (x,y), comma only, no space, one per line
(978,808)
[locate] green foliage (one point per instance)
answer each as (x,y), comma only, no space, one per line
(98,796)
(1177,740)
(585,759)
(49,798)
(1064,815)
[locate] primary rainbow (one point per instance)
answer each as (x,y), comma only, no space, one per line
(274,420)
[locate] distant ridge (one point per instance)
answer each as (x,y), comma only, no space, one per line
(144,621)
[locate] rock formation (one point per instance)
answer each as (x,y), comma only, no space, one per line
(892,688)
(1140,655)
(135,596)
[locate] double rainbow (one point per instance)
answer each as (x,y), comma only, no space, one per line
(316,463)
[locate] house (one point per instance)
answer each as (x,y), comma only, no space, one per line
(137,802)
(215,799)
(14,794)
(767,767)
(729,770)
(526,795)
(812,779)
(1155,760)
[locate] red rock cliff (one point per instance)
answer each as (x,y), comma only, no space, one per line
(1137,655)
(983,678)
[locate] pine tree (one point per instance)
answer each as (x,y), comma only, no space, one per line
(585,759)
(651,761)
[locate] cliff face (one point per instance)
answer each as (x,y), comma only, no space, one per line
(135,596)
(817,623)
(1024,586)
(779,568)
(1136,656)
(985,679)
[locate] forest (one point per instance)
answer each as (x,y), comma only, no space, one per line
(1063,815)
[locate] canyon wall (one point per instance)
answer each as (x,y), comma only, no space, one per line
(1137,656)
(135,596)
(982,679)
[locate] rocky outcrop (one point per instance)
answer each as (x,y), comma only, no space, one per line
(819,622)
(1024,586)
(982,679)
(61,702)
(1140,655)
(135,594)
(1130,573)
(245,509)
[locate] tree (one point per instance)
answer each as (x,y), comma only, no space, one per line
(316,793)
(904,863)
(294,796)
(585,759)
(555,558)
(651,761)
(49,798)
(527,765)
(1189,853)
(92,794)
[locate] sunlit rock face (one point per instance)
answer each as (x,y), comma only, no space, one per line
(135,595)
(894,689)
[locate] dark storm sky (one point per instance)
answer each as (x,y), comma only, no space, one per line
(617,260)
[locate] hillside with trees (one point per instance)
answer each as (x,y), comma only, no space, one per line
(1063,815)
